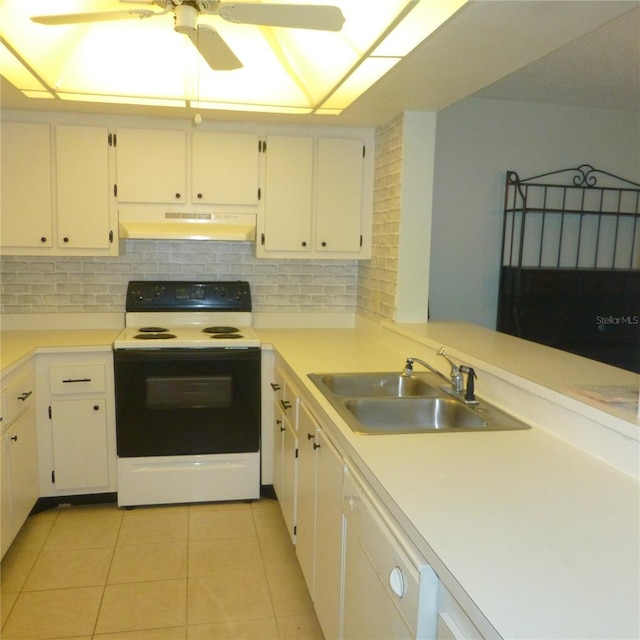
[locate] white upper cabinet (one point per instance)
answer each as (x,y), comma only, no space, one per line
(339,195)
(25,197)
(56,191)
(152,166)
(85,218)
(225,168)
(317,199)
(288,195)
(175,167)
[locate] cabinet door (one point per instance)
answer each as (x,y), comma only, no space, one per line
(80,443)
(25,197)
(224,168)
(288,193)
(6,528)
(19,475)
(82,172)
(339,195)
(287,496)
(306,514)
(328,544)
(278,449)
(151,166)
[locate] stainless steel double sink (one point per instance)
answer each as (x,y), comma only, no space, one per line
(392,403)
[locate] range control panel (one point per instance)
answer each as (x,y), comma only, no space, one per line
(153,295)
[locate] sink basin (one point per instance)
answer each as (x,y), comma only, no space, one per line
(375,385)
(390,403)
(412,415)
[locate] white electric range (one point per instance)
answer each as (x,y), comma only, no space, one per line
(188,380)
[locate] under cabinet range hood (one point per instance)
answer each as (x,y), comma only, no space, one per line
(228,227)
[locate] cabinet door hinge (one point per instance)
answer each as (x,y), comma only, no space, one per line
(111,237)
(262,239)
(49,413)
(53,477)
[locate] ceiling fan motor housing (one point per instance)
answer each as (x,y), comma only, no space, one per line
(186,18)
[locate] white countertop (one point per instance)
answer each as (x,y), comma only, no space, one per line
(543,537)
(17,346)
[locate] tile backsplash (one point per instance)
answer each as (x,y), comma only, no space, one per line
(98,285)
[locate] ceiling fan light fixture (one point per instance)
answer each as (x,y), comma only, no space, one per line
(305,60)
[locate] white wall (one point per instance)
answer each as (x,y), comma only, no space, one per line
(477,141)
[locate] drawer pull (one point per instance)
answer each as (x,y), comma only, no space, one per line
(14,438)
(275,387)
(285,405)
(76,380)
(25,395)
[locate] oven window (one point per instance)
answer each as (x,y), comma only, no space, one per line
(195,392)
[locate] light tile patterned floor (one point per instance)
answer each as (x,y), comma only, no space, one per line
(197,572)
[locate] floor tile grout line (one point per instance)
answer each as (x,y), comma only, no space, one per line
(264,568)
(106,579)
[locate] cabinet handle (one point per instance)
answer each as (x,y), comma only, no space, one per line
(65,239)
(96,407)
(43,239)
(14,438)
(25,395)
(316,446)
(177,196)
(324,244)
(304,244)
(310,436)
(285,405)
(275,387)
(76,380)
(200,196)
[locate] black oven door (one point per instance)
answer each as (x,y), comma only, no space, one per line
(187,401)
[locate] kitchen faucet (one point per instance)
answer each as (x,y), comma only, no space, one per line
(456,378)
(408,368)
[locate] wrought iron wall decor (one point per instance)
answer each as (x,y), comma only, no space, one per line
(570,265)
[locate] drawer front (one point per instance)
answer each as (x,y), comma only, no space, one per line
(86,378)
(17,398)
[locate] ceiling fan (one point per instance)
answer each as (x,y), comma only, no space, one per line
(209,43)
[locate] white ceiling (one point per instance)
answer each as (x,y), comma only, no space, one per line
(576,52)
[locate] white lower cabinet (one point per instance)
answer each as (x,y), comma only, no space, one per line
(19,453)
(285,448)
(76,423)
(319,524)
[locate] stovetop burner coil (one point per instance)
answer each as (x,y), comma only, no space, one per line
(154,336)
(152,330)
(222,329)
(226,336)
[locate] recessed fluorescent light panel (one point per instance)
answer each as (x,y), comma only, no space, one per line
(313,56)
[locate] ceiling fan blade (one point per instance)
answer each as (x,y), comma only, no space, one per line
(100,16)
(214,49)
(295,16)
